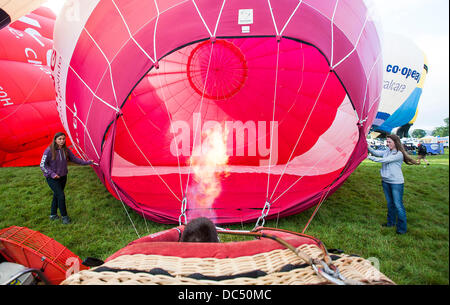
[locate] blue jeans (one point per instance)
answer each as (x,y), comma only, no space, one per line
(396,211)
(59,199)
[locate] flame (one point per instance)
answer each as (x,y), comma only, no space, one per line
(209,163)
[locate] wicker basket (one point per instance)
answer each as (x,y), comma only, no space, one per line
(277,267)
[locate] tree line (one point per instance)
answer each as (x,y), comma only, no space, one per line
(441,131)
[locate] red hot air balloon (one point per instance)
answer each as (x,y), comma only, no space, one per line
(28,114)
(231,109)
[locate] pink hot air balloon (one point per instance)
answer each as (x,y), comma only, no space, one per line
(28,114)
(229,109)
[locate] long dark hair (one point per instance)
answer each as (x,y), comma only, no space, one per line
(399,146)
(53,146)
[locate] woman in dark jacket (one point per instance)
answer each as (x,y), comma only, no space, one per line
(422,152)
(54,167)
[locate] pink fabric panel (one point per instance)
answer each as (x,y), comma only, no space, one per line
(107,18)
(90,64)
(209,10)
(22,127)
(78,109)
(16,51)
(45,27)
(307,21)
(45,12)
(21,82)
(353,73)
(136,13)
(349,19)
(168,34)
(325,8)
(262,25)
(165,5)
(282,10)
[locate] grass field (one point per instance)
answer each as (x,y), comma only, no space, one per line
(349,219)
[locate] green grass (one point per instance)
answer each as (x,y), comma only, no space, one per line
(349,219)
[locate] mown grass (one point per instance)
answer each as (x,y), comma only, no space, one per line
(349,219)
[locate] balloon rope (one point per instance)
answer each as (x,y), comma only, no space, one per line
(171,129)
(356,44)
(301,134)
(302,74)
(325,195)
(131,35)
(154,32)
(26,98)
(370,108)
(218,18)
(145,219)
(86,132)
(273,118)
(322,199)
(367,86)
(200,111)
(332,33)
(290,17)
(116,109)
(129,217)
(201,17)
(295,182)
(131,136)
(273,18)
(109,66)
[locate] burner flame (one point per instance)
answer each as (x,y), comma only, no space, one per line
(209,163)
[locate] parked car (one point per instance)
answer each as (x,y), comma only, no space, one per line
(379,147)
(410,148)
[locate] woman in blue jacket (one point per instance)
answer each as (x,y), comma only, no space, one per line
(392,180)
(54,167)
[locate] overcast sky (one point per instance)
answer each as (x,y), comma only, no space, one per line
(426,22)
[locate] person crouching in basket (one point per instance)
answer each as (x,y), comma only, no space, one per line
(199,230)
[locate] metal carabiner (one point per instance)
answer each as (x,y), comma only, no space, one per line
(264,213)
(330,275)
(183,211)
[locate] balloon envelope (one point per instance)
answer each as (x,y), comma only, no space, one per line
(405,70)
(28,114)
(142,87)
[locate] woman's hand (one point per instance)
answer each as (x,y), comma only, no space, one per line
(56,177)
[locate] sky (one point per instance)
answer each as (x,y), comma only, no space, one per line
(426,22)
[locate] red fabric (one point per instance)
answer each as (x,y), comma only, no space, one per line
(166,243)
(28,115)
